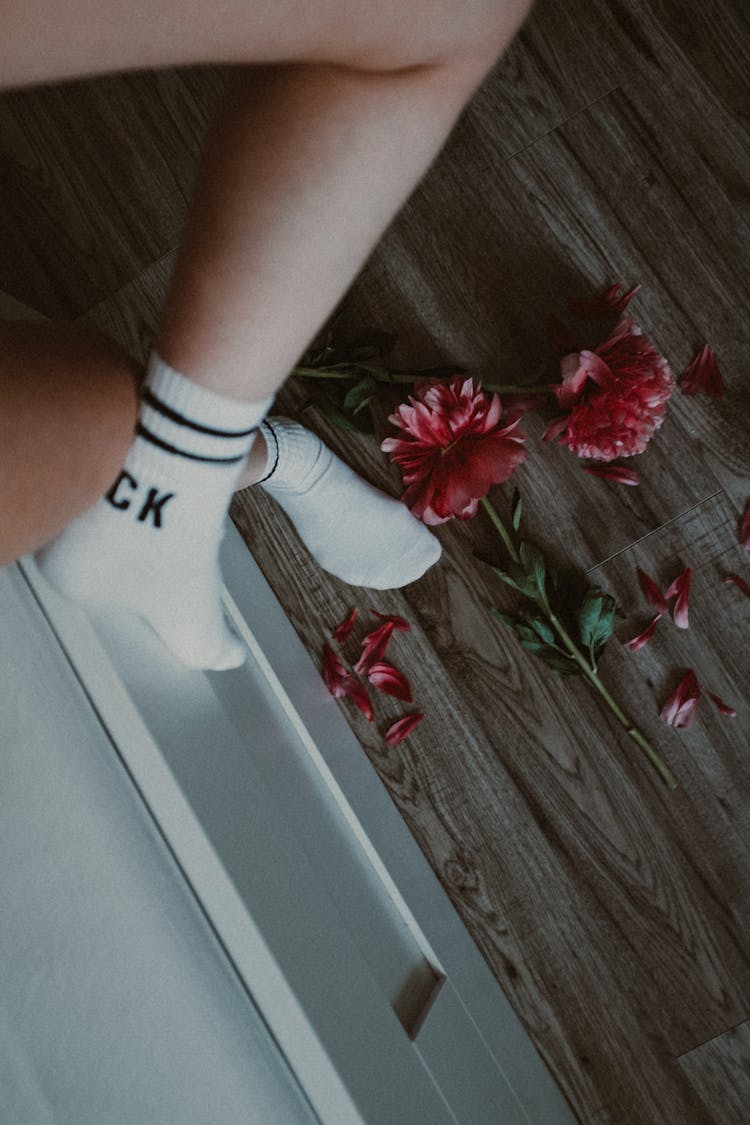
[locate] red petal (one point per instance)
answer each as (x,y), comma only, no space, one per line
(644,637)
(388,679)
(745,527)
(680,589)
(357,692)
(735,580)
(518,405)
(653,594)
(702,374)
(342,631)
(396,621)
(374,646)
(617,473)
(403,727)
(724,708)
(604,304)
(341,683)
(555,428)
(334,673)
(680,709)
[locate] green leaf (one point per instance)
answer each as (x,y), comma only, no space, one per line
(359,395)
(596,618)
(516,509)
(337,416)
(553,658)
(606,624)
(504,617)
(532,561)
(542,629)
(536,646)
(561,664)
(506,578)
(588,615)
(514,577)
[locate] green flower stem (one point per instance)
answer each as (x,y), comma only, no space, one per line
(355,371)
(501,528)
(593,678)
(587,667)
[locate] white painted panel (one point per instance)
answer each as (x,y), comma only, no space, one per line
(320,894)
(240,852)
(117,1004)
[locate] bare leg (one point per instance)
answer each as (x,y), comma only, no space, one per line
(307,167)
(69,401)
(309,162)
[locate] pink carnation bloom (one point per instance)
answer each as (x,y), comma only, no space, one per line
(453,448)
(615,396)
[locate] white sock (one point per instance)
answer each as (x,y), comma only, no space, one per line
(150,546)
(351,528)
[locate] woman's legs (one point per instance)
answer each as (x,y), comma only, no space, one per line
(307,164)
(68,401)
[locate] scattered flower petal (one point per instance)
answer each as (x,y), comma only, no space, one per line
(616,395)
(608,302)
(342,631)
(679,590)
(617,473)
(745,527)
(518,405)
(374,646)
(555,428)
(680,709)
(735,580)
(396,621)
(341,683)
(724,708)
(402,728)
(358,694)
(652,592)
(334,673)
(702,375)
(388,679)
(559,336)
(644,637)
(453,449)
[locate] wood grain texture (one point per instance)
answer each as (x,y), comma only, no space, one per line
(94,182)
(610,143)
(720,1071)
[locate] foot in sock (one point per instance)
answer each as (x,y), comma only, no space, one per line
(150,546)
(352,529)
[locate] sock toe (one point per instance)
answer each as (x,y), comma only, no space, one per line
(206,646)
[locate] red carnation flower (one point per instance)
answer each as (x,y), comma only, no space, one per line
(615,396)
(454,448)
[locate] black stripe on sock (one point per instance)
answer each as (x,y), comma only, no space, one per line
(276,459)
(156,404)
(141,431)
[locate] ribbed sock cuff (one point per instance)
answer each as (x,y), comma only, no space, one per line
(295,455)
(191,421)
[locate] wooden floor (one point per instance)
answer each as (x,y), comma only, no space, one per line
(612,142)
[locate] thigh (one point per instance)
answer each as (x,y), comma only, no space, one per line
(45,41)
(68,402)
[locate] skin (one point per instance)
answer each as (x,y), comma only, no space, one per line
(335,110)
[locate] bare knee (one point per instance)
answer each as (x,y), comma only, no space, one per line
(469,35)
